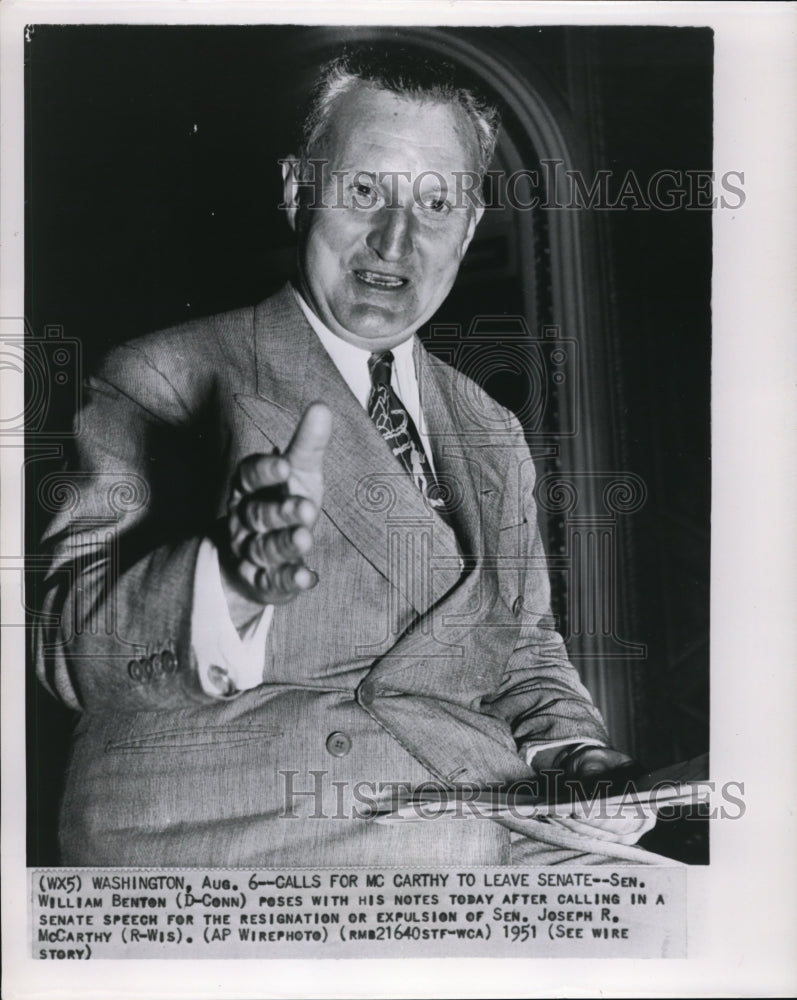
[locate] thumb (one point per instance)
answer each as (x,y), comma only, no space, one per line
(306,450)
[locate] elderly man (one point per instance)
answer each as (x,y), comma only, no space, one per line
(237,706)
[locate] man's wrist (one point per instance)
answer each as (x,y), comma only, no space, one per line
(228,657)
(242,608)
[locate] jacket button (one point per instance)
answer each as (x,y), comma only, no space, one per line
(338,744)
(367,694)
(517,606)
(168,661)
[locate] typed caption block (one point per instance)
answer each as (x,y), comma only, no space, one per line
(90,913)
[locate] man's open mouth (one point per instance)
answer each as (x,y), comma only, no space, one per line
(378,280)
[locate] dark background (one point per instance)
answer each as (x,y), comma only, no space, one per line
(152,190)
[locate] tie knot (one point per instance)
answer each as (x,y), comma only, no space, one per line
(381,367)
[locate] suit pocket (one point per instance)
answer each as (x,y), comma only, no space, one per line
(204,738)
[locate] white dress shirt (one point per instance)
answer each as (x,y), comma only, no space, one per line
(230,660)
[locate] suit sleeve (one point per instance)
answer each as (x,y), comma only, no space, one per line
(122,546)
(541,695)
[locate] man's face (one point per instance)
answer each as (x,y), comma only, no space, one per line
(381,252)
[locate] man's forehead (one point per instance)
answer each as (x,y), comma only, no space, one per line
(371,120)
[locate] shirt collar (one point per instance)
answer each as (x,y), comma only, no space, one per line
(352,361)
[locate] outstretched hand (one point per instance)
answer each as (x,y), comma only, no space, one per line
(589,763)
(273,507)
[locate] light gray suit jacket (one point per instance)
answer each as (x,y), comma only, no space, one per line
(432,668)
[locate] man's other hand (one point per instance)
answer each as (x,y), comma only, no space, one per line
(273,507)
(589,763)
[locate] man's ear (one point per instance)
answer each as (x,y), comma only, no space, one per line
(475,219)
(290,189)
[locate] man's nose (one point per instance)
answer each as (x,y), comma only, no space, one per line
(391,235)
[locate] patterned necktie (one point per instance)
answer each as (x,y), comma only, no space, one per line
(396,427)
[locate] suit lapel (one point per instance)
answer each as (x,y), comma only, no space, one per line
(367,494)
(464,456)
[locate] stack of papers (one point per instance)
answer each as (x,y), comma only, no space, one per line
(429,804)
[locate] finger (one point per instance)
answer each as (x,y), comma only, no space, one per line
(278,585)
(306,450)
(256,472)
(263,515)
(612,816)
(582,829)
(288,580)
(276,548)
(613,830)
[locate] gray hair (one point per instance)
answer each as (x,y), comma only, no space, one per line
(407,73)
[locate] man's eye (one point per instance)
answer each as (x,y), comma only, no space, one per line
(438,205)
(364,195)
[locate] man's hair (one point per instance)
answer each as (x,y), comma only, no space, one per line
(408,73)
